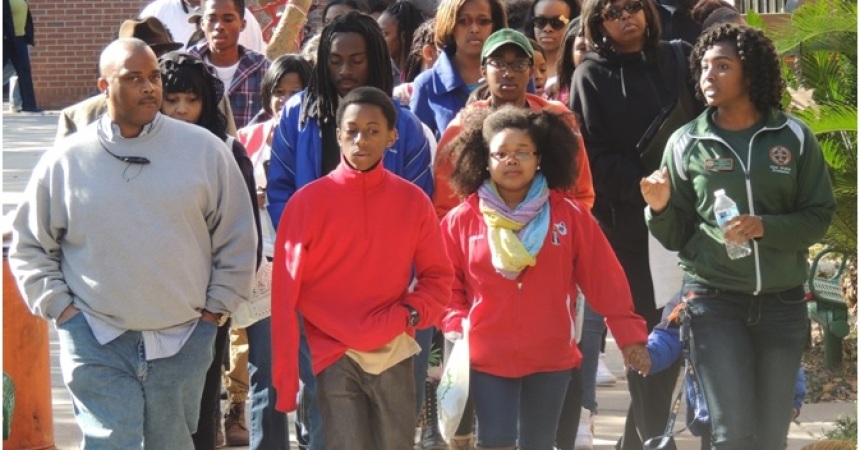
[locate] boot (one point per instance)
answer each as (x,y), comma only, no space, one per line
(235,430)
(431,438)
(466,442)
(219,434)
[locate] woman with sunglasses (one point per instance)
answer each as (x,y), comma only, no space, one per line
(462,26)
(620,90)
(546,23)
(519,246)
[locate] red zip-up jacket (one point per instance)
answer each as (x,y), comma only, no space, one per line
(345,250)
(523,326)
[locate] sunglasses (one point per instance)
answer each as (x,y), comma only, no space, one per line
(614,13)
(556,23)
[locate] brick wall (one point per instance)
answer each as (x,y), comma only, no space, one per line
(70,35)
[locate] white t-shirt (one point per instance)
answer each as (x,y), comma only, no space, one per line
(225,74)
(171,14)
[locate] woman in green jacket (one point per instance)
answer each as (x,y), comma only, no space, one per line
(749,321)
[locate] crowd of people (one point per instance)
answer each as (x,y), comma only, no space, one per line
(305,228)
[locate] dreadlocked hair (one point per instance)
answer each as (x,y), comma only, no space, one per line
(425,34)
(472,146)
(409,18)
(322,97)
(184,73)
(758,57)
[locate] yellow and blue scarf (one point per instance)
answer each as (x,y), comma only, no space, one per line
(515,235)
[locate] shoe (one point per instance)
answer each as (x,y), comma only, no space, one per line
(466,442)
(585,431)
(604,376)
(431,437)
(235,430)
(219,433)
(34,111)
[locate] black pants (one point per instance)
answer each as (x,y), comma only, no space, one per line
(651,396)
(16,51)
(210,401)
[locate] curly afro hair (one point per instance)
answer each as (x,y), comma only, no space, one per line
(757,54)
(546,130)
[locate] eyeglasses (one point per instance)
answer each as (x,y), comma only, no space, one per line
(614,13)
(556,23)
(519,156)
(468,22)
(520,65)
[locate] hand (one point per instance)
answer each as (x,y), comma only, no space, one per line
(743,228)
(636,357)
(208,316)
(67,314)
(261,198)
(453,336)
(656,190)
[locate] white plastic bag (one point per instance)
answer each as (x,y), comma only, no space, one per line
(453,390)
(259,306)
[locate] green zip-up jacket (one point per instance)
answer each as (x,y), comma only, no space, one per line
(781,177)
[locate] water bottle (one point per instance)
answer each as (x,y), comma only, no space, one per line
(725,209)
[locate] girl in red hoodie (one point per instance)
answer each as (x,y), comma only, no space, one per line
(519,249)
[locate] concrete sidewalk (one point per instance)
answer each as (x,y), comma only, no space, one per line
(26,137)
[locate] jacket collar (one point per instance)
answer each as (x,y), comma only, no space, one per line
(445,76)
(704,127)
(346,175)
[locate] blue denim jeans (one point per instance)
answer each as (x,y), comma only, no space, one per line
(592,337)
(123,401)
(746,351)
(269,427)
(362,411)
(520,412)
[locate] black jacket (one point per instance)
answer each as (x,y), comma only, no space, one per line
(617,97)
(9,25)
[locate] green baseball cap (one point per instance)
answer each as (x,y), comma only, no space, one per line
(507,36)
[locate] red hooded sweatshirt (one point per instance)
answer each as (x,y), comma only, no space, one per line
(523,326)
(345,250)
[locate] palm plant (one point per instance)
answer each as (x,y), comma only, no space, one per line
(819,46)
(819,49)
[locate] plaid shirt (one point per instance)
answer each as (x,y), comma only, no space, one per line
(244,91)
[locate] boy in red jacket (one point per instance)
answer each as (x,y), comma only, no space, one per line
(345,253)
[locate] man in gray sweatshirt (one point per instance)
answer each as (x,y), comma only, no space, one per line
(135,236)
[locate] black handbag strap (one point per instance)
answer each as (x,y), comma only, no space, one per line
(674,97)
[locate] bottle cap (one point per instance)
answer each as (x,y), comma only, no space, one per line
(719,192)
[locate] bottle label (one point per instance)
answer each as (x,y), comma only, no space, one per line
(725,215)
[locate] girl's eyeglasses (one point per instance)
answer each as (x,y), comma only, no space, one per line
(519,156)
(614,13)
(556,23)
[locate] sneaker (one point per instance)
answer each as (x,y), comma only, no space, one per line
(604,376)
(585,431)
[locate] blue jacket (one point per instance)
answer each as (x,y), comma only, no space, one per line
(297,154)
(439,94)
(664,348)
